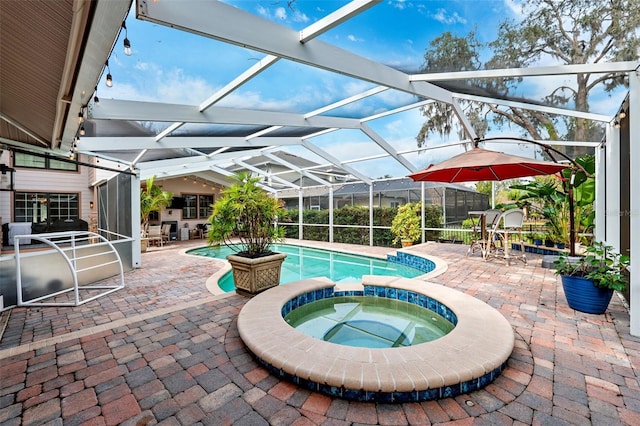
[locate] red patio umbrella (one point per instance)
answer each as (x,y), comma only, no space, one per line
(481,164)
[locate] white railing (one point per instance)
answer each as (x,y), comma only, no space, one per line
(83,251)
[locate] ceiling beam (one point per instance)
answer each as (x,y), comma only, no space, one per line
(599,68)
(295,168)
(382,143)
(330,158)
(265,174)
(336,18)
(219,21)
(111,109)
(534,107)
(149,142)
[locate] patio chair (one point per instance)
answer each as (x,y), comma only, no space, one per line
(166,232)
(506,230)
(155,235)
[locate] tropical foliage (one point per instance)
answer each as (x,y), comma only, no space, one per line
(152,199)
(406,225)
(601,264)
(246,212)
(551,198)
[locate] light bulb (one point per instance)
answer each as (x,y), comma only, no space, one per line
(127,47)
(109,81)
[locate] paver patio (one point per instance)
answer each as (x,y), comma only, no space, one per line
(165,351)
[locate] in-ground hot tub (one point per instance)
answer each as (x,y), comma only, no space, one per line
(467,358)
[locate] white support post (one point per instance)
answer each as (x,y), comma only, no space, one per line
(136,255)
(300,214)
(371,214)
(493,194)
(422,223)
(634,204)
(331,214)
(600,205)
(444,206)
(612,189)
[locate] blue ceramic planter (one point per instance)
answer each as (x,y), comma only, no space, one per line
(583,296)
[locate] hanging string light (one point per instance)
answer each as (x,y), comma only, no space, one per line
(126,42)
(109,80)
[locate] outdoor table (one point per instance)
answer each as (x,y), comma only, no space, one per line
(481,220)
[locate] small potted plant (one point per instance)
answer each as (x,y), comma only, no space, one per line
(537,239)
(243,218)
(406,224)
(590,280)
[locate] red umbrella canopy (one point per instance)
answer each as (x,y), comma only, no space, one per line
(481,164)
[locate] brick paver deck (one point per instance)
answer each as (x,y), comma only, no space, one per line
(165,351)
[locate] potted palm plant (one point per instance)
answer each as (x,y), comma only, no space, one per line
(244,219)
(152,198)
(590,280)
(406,224)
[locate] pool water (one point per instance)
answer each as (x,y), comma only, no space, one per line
(305,262)
(369,322)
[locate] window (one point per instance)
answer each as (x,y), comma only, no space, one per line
(38,207)
(38,162)
(197,206)
(205,210)
(190,206)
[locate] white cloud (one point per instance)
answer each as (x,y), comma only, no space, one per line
(300,17)
(280,13)
(353,38)
(516,7)
(400,4)
(444,17)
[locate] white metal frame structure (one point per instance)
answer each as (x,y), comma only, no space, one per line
(76,240)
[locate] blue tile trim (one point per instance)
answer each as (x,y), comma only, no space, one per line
(537,249)
(388,397)
(408,259)
(374,291)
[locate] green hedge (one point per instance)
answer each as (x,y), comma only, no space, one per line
(357,216)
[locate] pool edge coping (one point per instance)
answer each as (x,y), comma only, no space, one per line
(476,351)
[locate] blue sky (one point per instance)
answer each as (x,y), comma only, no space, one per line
(173,66)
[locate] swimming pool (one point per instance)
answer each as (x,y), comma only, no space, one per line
(306,262)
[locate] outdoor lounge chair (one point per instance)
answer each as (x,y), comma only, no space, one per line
(155,235)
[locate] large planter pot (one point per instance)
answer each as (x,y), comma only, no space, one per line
(406,243)
(583,296)
(255,275)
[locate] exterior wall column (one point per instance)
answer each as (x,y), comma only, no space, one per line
(612,188)
(136,234)
(600,205)
(634,189)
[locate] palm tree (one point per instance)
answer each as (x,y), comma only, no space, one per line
(152,198)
